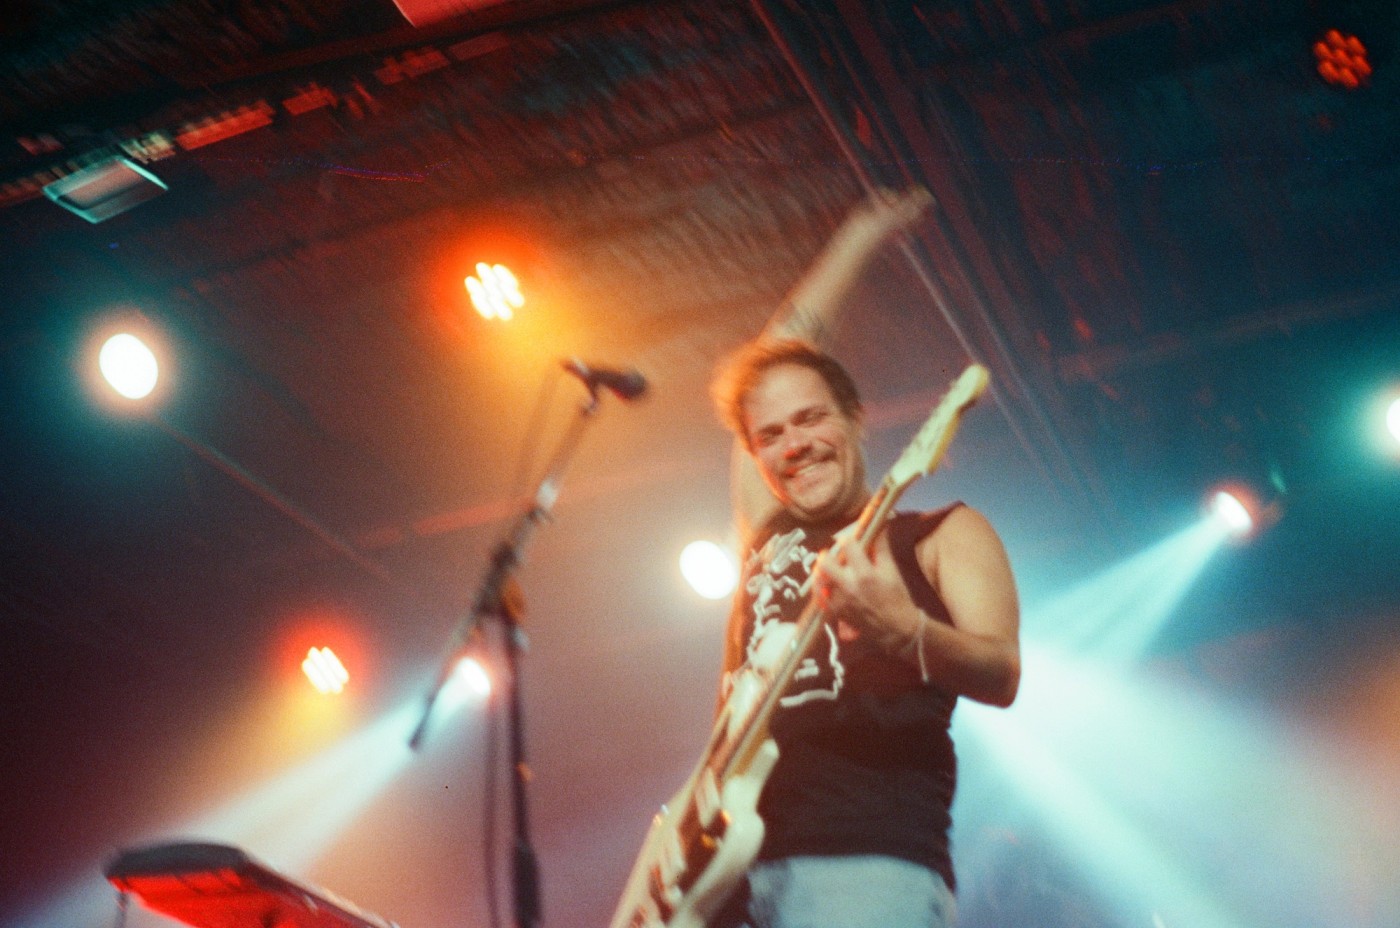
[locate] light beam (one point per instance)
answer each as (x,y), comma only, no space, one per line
(1168,799)
(288,821)
(1118,613)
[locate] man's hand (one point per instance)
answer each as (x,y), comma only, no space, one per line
(864,590)
(886,211)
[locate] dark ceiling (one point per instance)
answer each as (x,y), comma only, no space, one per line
(1176,248)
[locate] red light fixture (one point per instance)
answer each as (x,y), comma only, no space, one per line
(1342,60)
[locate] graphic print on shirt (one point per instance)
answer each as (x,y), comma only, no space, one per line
(780,579)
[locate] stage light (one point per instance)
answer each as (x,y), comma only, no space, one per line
(473,676)
(1378,423)
(105,189)
(709,569)
(1238,513)
(494,291)
(325,671)
(1117,613)
(1342,60)
(1230,511)
(469,684)
(129,366)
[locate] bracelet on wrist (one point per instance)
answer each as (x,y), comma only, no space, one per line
(914,648)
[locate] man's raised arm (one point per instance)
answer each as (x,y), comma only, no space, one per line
(809,312)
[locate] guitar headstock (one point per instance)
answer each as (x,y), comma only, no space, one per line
(928,446)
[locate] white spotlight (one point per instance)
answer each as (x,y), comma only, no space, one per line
(1392,420)
(1231,513)
(471,679)
(475,676)
(129,366)
(709,569)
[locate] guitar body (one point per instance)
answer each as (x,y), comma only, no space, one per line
(701,843)
(736,853)
(658,897)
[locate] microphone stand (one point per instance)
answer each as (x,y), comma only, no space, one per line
(499,597)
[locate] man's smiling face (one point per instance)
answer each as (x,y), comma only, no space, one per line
(807,450)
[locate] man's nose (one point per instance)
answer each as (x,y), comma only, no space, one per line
(795,444)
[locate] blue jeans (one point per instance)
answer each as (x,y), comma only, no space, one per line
(866,891)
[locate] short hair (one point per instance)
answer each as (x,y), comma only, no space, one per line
(741,371)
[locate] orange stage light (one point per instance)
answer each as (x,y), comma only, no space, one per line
(325,671)
(494,291)
(324,646)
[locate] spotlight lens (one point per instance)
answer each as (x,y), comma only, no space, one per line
(1392,420)
(1233,514)
(709,569)
(469,685)
(129,366)
(325,671)
(495,291)
(473,677)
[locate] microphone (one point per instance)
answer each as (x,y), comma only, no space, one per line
(627,385)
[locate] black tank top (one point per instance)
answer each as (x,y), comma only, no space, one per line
(866,762)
